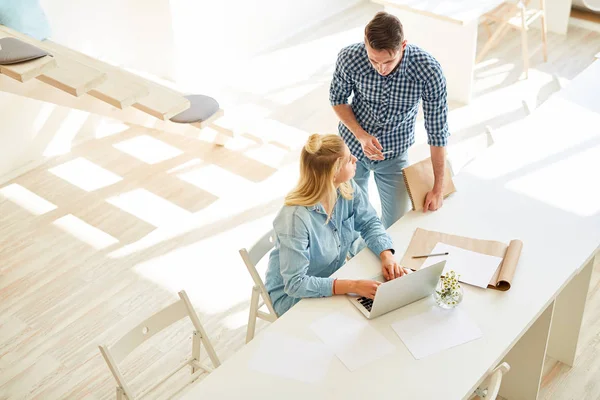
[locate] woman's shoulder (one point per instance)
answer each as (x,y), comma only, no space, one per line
(291,219)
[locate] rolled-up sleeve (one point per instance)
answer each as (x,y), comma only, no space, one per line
(341,85)
(294,259)
(435,108)
(368,224)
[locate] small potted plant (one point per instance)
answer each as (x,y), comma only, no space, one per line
(448,293)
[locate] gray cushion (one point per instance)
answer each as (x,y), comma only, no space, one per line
(201,108)
(13,51)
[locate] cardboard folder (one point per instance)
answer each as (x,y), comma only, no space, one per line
(419,179)
(423,241)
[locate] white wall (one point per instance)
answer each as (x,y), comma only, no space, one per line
(132,33)
(37,130)
(187,41)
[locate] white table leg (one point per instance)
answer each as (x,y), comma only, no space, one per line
(568,314)
(526,360)
(557,15)
(452,44)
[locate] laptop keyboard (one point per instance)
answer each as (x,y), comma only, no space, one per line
(366,302)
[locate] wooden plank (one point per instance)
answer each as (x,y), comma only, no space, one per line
(118,90)
(158,101)
(69,75)
(162,103)
(72,77)
(120,94)
(27,70)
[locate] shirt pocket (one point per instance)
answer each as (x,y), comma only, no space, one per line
(403,107)
(368,90)
(348,233)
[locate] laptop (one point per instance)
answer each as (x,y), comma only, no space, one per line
(399,292)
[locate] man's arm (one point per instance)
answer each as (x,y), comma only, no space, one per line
(438,160)
(435,110)
(346,115)
(339,92)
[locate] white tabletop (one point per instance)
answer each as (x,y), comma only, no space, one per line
(457,11)
(538,183)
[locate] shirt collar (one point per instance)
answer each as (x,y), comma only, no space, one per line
(366,66)
(401,69)
(319,207)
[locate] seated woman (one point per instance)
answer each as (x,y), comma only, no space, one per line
(315,229)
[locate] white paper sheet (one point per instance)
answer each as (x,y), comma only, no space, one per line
(290,357)
(436,330)
(474,268)
(353,341)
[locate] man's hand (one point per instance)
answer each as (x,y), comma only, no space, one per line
(433,200)
(371,146)
(390,268)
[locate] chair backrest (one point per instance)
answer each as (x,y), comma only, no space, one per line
(496,380)
(490,388)
(146,330)
(462,153)
(252,257)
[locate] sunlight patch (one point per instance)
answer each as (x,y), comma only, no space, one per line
(62,141)
(148,149)
(85,232)
(216,180)
(105,129)
(85,174)
(196,162)
(149,207)
(27,199)
(268,154)
(564,185)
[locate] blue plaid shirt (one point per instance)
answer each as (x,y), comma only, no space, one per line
(386,106)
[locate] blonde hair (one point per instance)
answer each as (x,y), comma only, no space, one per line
(321,159)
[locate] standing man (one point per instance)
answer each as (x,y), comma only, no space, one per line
(388,78)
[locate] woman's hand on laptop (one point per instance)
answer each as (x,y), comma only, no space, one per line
(365,288)
(390,268)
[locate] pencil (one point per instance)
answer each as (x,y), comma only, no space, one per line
(431,255)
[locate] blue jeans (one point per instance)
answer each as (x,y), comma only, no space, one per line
(390,183)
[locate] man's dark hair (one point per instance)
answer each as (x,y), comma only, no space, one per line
(384,32)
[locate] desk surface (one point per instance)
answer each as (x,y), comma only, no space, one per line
(538,183)
(457,11)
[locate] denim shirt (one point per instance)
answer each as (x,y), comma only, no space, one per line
(307,250)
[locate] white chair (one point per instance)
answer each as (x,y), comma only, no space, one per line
(462,153)
(518,16)
(150,327)
(489,389)
(593,5)
(260,297)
